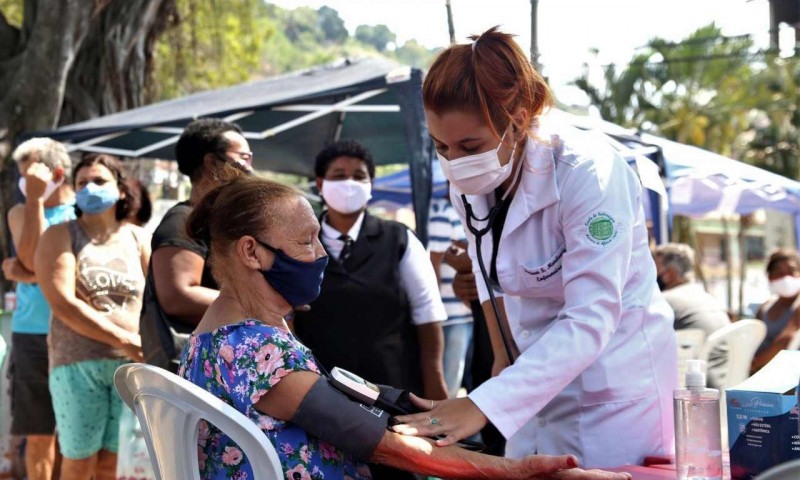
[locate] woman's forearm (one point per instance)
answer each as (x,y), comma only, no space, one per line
(87,321)
(420,455)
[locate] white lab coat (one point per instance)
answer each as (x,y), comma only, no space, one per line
(599,358)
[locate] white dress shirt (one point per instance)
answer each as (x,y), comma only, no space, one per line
(417,277)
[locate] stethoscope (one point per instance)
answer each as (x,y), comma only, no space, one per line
(479,233)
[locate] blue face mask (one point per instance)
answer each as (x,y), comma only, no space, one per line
(95,198)
(297,282)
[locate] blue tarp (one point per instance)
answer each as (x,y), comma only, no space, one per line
(703,182)
(396,187)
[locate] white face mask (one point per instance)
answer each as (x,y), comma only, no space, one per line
(48,190)
(785,287)
(480,173)
(346,196)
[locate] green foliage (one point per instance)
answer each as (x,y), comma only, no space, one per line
(710,91)
(693,91)
(214,44)
(12,10)
(332,25)
(379,36)
(413,54)
(773,142)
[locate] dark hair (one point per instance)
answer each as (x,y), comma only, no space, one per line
(142,206)
(125,203)
(243,206)
(490,77)
(782,255)
(343,148)
(203,136)
(678,256)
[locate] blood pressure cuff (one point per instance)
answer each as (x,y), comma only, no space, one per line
(330,415)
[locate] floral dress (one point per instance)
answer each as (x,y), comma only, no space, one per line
(239,363)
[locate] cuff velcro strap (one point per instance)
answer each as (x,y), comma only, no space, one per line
(395,401)
(328,414)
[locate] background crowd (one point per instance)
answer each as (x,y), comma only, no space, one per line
(95,291)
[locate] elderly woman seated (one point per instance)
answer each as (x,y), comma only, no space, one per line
(267,257)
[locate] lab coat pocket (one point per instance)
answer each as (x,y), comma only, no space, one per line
(623,371)
(542,280)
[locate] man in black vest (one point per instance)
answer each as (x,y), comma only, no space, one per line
(379,312)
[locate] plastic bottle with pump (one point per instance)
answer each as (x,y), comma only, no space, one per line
(698,449)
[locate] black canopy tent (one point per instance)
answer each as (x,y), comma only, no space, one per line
(288,119)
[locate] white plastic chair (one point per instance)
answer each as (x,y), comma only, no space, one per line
(743,338)
(785,471)
(170,408)
(690,342)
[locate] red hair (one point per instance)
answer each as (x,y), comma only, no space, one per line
(490,77)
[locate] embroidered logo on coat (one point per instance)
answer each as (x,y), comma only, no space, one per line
(601,229)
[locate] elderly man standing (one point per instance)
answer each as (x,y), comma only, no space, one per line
(44,168)
(693,306)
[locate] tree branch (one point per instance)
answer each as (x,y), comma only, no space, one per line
(9,36)
(33,101)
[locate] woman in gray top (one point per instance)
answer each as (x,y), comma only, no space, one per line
(92,274)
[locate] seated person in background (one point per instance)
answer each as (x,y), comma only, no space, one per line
(781,312)
(693,306)
(267,258)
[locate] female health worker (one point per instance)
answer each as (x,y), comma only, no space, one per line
(564,244)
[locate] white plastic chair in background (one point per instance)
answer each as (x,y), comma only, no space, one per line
(784,471)
(690,342)
(743,338)
(170,408)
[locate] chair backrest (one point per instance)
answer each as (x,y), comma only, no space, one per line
(690,342)
(170,408)
(785,471)
(743,338)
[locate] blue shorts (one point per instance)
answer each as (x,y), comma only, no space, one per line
(87,407)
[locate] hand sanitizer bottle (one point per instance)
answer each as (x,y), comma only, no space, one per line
(698,450)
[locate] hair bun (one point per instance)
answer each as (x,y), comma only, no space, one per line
(197,225)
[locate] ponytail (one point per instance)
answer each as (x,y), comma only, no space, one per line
(490,77)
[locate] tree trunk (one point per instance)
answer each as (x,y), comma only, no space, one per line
(72,60)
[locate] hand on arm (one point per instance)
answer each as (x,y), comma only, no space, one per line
(464,287)
(13,270)
(55,257)
(455,419)
(457,257)
(178,274)
(421,456)
(33,223)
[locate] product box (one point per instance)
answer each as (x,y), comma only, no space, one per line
(763,417)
